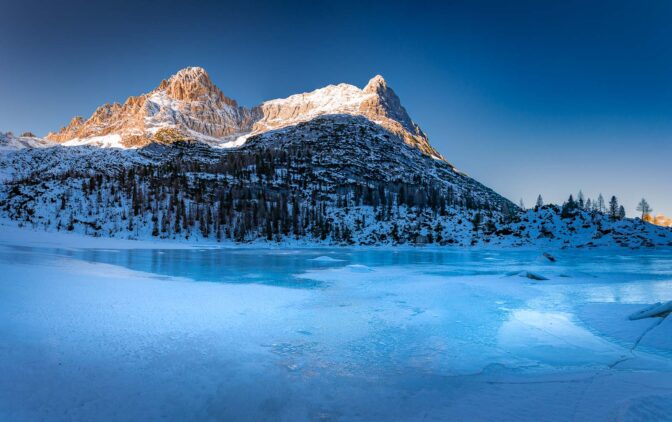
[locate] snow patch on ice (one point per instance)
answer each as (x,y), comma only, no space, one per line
(326,259)
(358,268)
(656,310)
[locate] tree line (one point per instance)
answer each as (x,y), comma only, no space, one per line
(613,209)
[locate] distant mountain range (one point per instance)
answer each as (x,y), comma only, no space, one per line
(339,165)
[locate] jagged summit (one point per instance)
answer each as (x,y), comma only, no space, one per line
(386,102)
(192,73)
(188,105)
(193,84)
(375,84)
(376,101)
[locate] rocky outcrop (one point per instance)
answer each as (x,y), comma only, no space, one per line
(384,105)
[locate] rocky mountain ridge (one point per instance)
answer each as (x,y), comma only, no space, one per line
(189,105)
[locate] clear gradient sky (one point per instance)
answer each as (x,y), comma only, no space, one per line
(527,97)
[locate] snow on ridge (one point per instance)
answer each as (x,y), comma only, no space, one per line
(10,142)
(333,99)
(329,99)
(105,141)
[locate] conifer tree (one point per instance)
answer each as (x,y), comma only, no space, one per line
(476,221)
(621,212)
(613,208)
(581,200)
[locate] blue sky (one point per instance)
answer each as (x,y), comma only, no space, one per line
(528,97)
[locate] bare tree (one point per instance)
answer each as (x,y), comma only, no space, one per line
(644,207)
(601,207)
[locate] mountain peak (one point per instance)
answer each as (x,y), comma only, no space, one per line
(192,84)
(192,73)
(376,84)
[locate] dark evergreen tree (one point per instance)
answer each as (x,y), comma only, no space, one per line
(613,208)
(621,212)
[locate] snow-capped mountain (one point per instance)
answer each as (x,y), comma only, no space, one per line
(335,178)
(339,165)
(377,102)
(189,105)
(185,106)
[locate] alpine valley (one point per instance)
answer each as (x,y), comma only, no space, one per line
(339,165)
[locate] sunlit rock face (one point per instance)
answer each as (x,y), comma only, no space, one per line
(191,106)
(659,220)
(188,103)
(377,102)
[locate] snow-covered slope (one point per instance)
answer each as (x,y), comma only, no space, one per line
(296,180)
(14,152)
(10,142)
(546,227)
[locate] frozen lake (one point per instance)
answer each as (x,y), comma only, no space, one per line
(332,334)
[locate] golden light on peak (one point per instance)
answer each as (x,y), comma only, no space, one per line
(659,220)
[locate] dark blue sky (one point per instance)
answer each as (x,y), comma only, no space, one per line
(528,97)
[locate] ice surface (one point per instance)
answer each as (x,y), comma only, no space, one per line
(102,330)
(660,336)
